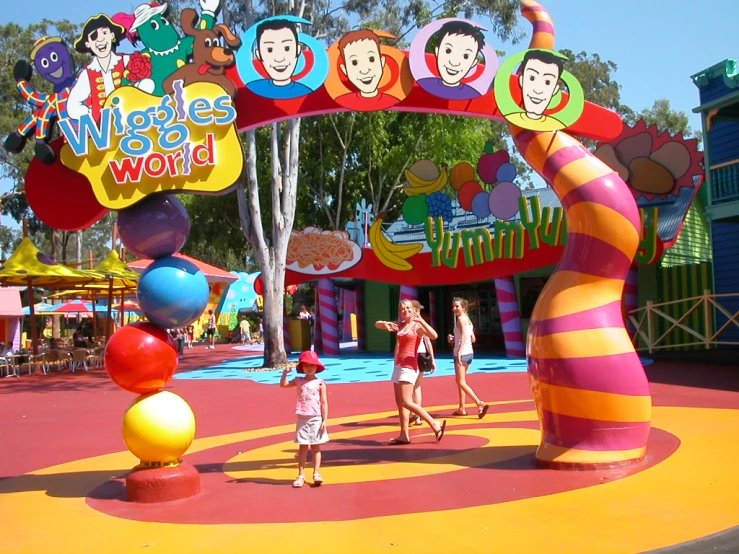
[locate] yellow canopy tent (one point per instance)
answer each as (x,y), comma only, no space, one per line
(30,267)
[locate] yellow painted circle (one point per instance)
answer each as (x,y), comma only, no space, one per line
(159,427)
(689,495)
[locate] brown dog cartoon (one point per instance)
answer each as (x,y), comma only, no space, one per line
(213,52)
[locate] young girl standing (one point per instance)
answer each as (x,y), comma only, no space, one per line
(464,336)
(312,411)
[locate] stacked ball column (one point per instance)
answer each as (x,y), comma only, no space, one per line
(141,358)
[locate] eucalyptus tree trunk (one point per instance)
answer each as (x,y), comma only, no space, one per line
(271,249)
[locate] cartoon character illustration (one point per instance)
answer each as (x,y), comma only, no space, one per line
(54,62)
(278,49)
(541,73)
(100,37)
(163,45)
(364,66)
(459,44)
(212,53)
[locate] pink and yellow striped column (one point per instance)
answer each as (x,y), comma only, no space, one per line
(408,292)
(328,317)
(510,317)
(589,386)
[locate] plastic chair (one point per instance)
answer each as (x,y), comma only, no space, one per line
(53,357)
(79,358)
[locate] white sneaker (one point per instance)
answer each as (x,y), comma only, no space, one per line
(317,479)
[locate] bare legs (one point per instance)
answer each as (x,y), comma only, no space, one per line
(406,405)
(302,459)
(418,396)
(460,371)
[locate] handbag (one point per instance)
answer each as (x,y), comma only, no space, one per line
(426,359)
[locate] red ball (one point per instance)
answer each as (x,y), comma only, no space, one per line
(468,191)
(141,357)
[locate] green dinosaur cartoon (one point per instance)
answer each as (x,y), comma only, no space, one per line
(163,45)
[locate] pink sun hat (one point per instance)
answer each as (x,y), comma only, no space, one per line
(309,357)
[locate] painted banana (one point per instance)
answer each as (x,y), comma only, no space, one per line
(390,254)
(425,186)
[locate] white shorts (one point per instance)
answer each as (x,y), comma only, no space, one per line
(308,430)
(404,375)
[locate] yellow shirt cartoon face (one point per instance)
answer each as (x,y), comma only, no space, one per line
(539,83)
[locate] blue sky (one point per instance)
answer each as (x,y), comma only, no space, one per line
(657,44)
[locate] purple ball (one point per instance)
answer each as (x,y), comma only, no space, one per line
(481,205)
(504,200)
(156,227)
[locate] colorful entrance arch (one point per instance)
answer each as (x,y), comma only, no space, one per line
(592,396)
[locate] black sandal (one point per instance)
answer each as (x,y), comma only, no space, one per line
(440,433)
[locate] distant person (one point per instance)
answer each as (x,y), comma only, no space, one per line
(304,313)
(210,330)
(410,331)
(464,336)
(78,339)
(244,330)
(179,339)
(312,411)
(190,335)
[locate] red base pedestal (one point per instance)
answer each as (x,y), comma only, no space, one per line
(162,484)
(571,466)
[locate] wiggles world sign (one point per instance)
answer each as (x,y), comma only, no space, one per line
(144,144)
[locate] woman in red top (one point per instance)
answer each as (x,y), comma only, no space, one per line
(410,330)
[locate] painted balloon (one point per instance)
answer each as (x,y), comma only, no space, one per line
(488,164)
(481,205)
(504,200)
(506,172)
(468,191)
(415,209)
(155,227)
(461,173)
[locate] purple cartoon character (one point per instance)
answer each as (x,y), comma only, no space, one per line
(54,62)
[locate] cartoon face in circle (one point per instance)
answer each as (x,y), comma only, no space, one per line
(539,81)
(457,52)
(362,62)
(54,63)
(278,49)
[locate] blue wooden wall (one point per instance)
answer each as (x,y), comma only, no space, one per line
(723,142)
(726,272)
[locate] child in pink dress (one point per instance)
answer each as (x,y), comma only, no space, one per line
(312,411)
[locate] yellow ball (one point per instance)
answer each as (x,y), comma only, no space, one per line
(159,427)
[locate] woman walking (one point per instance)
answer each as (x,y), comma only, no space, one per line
(464,336)
(410,331)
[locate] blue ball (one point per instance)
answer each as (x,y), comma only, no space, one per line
(172,292)
(506,172)
(155,227)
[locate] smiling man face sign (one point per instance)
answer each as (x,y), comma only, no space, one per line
(363,64)
(539,81)
(279,51)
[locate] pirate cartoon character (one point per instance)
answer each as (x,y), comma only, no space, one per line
(163,45)
(104,74)
(54,62)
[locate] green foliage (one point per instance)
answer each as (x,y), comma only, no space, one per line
(665,118)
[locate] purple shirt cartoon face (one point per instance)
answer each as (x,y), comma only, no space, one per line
(55,64)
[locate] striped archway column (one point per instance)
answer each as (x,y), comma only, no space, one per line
(631,297)
(328,316)
(408,292)
(317,337)
(510,317)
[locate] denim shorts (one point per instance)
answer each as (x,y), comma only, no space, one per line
(466,359)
